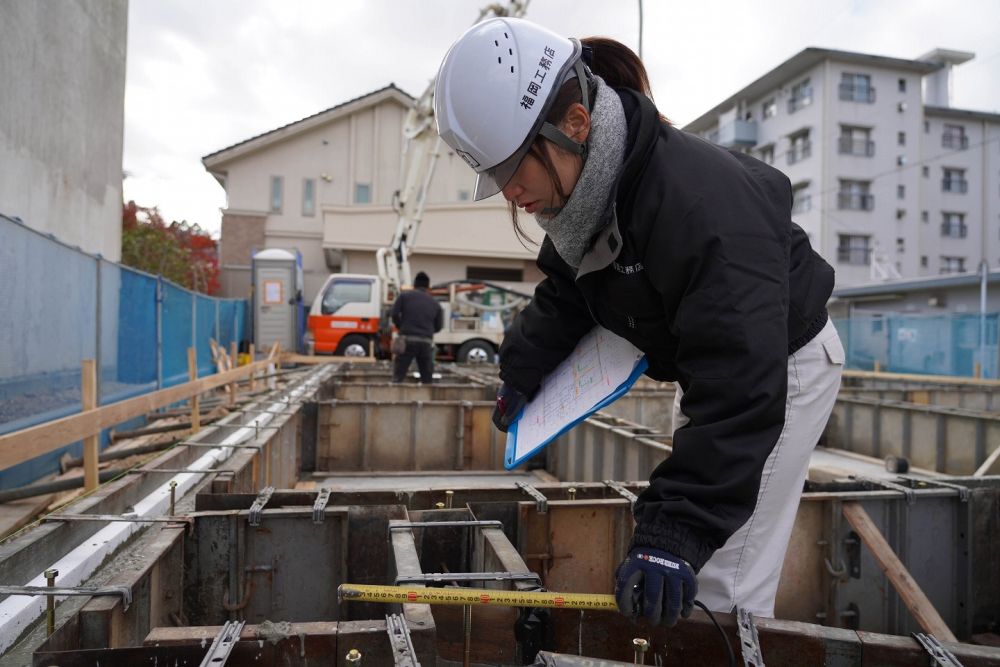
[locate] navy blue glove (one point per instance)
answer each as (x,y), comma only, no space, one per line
(510,402)
(655,584)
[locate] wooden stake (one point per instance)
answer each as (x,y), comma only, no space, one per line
(192,376)
(878,366)
(977,370)
(909,591)
(233,363)
(253,376)
(88,388)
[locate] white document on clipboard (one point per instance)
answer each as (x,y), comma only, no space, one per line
(601,369)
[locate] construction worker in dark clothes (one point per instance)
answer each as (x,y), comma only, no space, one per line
(418,316)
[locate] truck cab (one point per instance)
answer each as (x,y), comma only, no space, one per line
(345,315)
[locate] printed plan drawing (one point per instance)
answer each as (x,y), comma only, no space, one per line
(601,362)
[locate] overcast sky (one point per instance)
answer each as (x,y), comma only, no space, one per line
(205,74)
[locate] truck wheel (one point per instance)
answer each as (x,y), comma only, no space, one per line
(475,352)
(353,345)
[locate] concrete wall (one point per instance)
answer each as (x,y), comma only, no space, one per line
(62,73)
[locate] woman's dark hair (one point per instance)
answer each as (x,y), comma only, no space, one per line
(620,67)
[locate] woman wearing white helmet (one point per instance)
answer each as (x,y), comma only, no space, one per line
(688,251)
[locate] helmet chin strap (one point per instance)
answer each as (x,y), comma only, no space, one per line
(559,138)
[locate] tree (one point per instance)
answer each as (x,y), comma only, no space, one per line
(180,252)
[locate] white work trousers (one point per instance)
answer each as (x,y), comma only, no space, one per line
(746,570)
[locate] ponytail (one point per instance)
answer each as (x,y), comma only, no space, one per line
(617,64)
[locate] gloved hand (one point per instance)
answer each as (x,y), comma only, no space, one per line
(509,404)
(655,584)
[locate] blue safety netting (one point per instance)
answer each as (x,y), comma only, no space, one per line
(924,344)
(61,305)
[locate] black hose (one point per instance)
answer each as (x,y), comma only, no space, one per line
(725,637)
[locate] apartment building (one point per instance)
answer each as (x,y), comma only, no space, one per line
(324,186)
(889,180)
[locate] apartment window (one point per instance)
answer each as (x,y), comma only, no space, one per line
(463,195)
(952,264)
(767,154)
(900,213)
(925,216)
(902,85)
(277,187)
(901,138)
(900,192)
(801,199)
(926,171)
(900,245)
(362,193)
(769,109)
(856,141)
(954,137)
(800,147)
(927,127)
(855,195)
(494,273)
(854,249)
(953,180)
(802,96)
(308,197)
(923,261)
(953,225)
(856,87)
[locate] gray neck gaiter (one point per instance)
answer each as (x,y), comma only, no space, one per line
(572,228)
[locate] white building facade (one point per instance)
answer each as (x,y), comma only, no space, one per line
(324,186)
(889,181)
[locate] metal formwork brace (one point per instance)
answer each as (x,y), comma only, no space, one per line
(403,653)
(909,494)
(963,491)
(225,642)
(257,509)
(749,642)
(620,489)
(319,507)
(447,577)
(445,524)
(541,502)
(89,591)
(941,656)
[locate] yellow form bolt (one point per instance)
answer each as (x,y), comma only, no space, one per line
(449,497)
(571,491)
(354,657)
(173,496)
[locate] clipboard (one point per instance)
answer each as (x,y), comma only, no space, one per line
(601,369)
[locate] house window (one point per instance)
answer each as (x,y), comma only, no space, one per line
(923,261)
(855,195)
(900,213)
(362,193)
(856,87)
(856,141)
(954,181)
(769,109)
(953,225)
(494,273)
(900,192)
(902,85)
(800,147)
(901,138)
(927,126)
(463,195)
(854,249)
(802,96)
(900,244)
(952,264)
(926,171)
(767,154)
(925,216)
(801,199)
(954,137)
(277,186)
(308,197)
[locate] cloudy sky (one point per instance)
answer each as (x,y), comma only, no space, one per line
(205,74)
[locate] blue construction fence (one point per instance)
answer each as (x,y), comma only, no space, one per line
(924,344)
(60,305)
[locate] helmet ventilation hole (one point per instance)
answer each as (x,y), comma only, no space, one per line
(511,69)
(499,60)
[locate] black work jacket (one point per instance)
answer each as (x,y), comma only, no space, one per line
(417,313)
(701,267)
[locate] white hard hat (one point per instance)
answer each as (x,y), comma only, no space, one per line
(494,89)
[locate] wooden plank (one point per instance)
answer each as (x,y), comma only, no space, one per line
(925,379)
(192,376)
(26,444)
(306,360)
(988,464)
(253,376)
(88,400)
(233,363)
(909,591)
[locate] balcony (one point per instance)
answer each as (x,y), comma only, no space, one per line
(799,152)
(855,256)
(852,93)
(956,185)
(851,146)
(855,201)
(803,99)
(738,133)
(954,140)
(954,230)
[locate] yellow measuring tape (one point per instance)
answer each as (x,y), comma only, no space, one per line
(474,597)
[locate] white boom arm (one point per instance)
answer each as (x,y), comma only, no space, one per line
(421,148)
